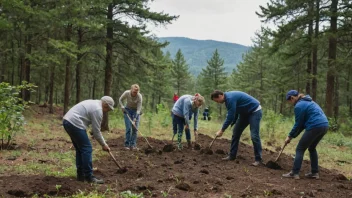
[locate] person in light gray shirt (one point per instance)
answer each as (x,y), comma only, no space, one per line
(75,122)
(132,110)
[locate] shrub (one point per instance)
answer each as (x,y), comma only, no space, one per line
(11,109)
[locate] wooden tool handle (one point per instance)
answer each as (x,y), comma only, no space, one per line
(115,160)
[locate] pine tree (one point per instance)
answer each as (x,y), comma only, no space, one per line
(213,77)
(180,73)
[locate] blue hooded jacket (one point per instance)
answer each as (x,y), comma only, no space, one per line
(183,108)
(238,102)
(308,115)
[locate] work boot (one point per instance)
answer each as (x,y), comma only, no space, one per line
(291,175)
(228,158)
(80,177)
(312,175)
(93,179)
(257,163)
(134,148)
(189,144)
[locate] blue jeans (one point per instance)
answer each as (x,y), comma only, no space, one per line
(253,120)
(178,125)
(309,140)
(83,148)
(131,132)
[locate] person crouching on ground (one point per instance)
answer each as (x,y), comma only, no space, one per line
(182,110)
(308,116)
(132,110)
(242,110)
(75,122)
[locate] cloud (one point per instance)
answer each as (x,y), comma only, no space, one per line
(223,20)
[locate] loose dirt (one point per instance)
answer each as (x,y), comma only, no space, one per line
(186,173)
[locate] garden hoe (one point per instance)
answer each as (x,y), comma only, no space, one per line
(139,131)
(208,150)
(274,164)
(121,169)
(196,144)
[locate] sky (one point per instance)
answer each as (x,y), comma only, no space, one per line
(232,21)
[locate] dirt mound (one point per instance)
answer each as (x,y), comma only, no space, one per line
(168,148)
(186,173)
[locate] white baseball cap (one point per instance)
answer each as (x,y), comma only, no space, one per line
(108,100)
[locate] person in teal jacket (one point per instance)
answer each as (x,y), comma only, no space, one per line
(308,116)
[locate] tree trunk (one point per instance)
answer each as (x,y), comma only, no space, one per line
(108,66)
(336,99)
(310,49)
(13,62)
(3,69)
(78,66)
(348,85)
(68,72)
(330,77)
(315,52)
(94,85)
(27,66)
(51,85)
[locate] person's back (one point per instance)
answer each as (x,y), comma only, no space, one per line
(81,114)
(313,115)
(181,105)
(244,103)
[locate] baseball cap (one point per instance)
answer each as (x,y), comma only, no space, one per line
(291,93)
(108,100)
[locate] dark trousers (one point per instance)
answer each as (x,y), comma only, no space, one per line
(178,124)
(309,140)
(253,120)
(83,148)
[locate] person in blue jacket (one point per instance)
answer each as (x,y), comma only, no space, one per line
(242,110)
(182,112)
(308,116)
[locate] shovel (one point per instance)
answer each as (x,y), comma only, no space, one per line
(211,144)
(208,149)
(121,170)
(196,145)
(274,164)
(138,130)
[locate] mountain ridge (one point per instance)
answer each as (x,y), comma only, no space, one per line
(197,52)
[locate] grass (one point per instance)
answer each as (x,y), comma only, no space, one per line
(335,150)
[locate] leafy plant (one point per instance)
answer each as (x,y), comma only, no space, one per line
(129,194)
(11,109)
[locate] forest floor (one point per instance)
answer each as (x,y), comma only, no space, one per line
(42,164)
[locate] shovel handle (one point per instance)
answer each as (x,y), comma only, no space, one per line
(138,130)
(280,152)
(118,165)
(211,144)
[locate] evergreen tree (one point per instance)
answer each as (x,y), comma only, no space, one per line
(180,73)
(213,76)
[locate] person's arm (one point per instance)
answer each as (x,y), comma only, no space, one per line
(298,127)
(139,105)
(186,109)
(96,118)
(230,116)
(123,97)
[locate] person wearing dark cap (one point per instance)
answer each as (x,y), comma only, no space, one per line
(308,116)
(242,110)
(75,122)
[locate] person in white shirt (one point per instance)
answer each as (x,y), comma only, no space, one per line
(75,122)
(132,108)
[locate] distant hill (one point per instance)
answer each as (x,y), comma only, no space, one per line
(197,52)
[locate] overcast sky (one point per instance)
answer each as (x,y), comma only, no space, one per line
(222,20)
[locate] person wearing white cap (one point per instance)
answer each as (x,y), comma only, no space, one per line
(75,122)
